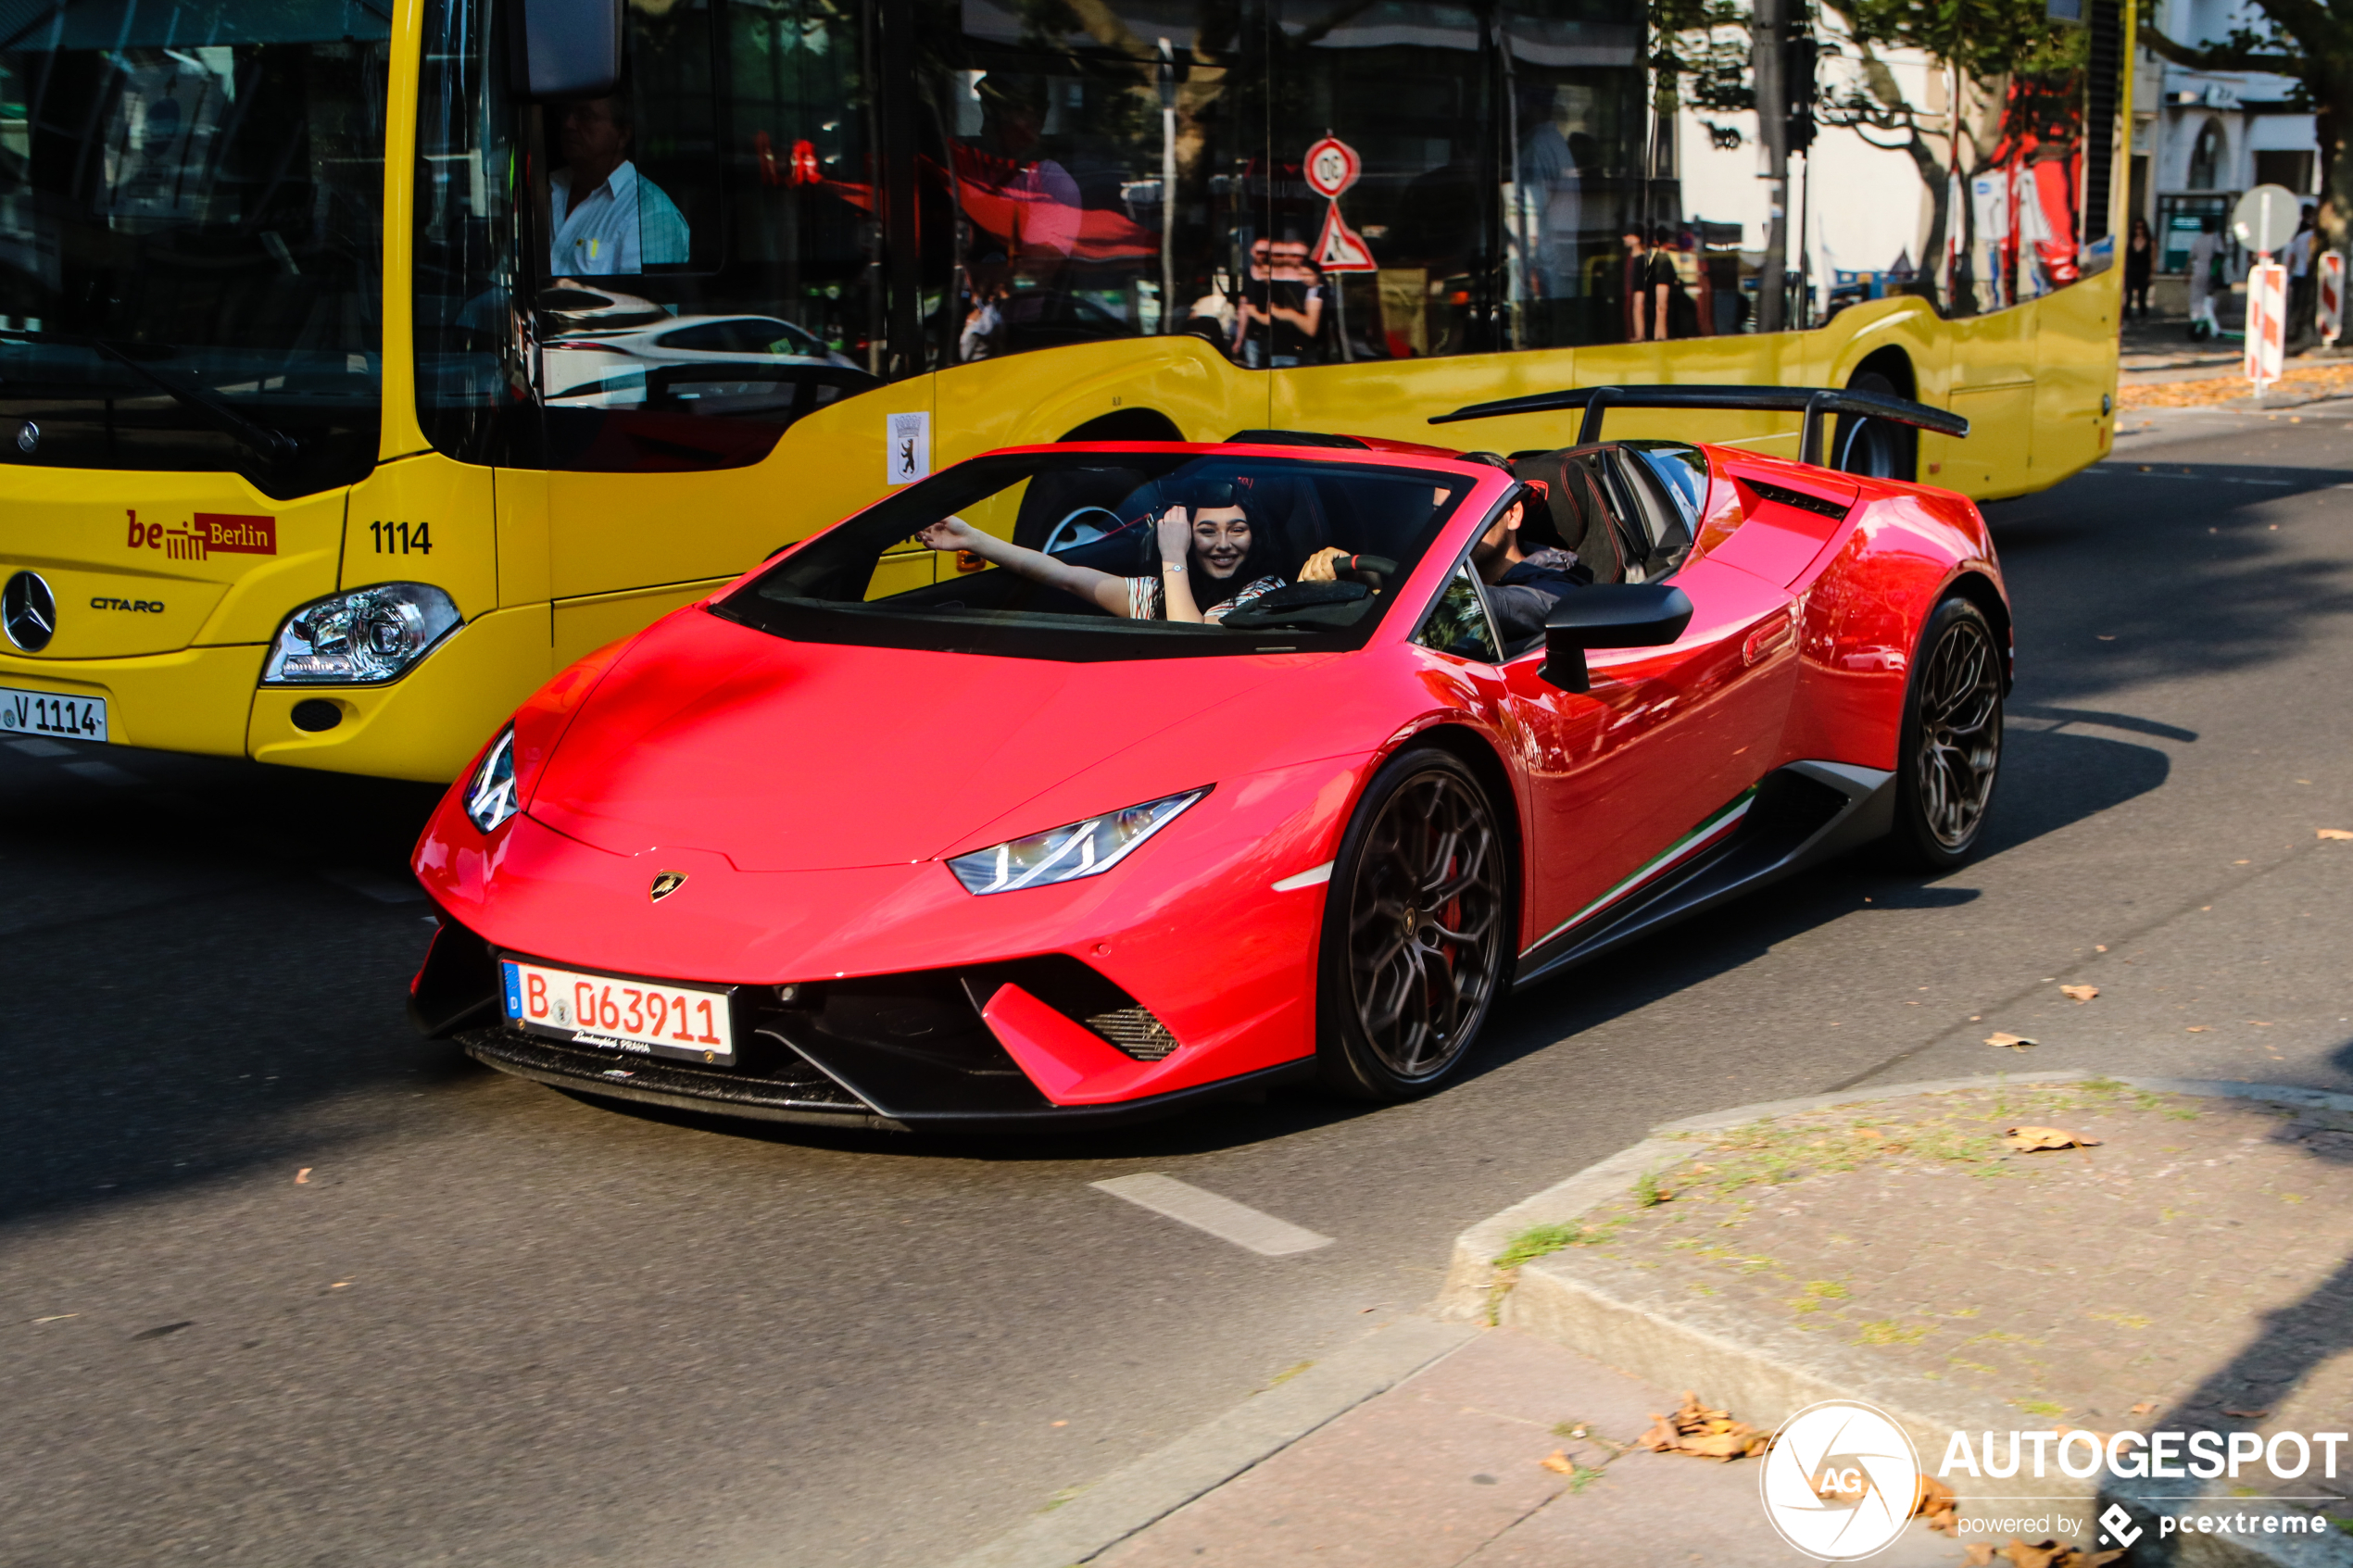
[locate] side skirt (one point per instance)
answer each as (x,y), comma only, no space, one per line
(1798,816)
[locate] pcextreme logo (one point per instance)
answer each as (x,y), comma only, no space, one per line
(206,534)
(1840,1481)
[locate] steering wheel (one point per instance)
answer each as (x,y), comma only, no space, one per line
(1068,533)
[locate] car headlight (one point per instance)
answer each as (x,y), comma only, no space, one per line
(359,638)
(490,792)
(1066,854)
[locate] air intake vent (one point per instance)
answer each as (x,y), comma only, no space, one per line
(1799,499)
(1135,1030)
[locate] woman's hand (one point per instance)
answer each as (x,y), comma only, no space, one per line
(1175,537)
(948,534)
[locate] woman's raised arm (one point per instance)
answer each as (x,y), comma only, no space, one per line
(1096,587)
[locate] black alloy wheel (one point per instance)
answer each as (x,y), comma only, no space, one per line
(1417,928)
(1875,447)
(1952,746)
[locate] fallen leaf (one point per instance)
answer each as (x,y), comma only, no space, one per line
(2025,1139)
(2015,1042)
(2042,1554)
(1980,1554)
(2247,1415)
(2079,993)
(2144,1407)
(302,1177)
(2099,947)
(1559,1463)
(1869,1133)
(2336,833)
(1933,1500)
(2199,1028)
(1697,1430)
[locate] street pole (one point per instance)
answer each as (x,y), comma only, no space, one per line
(1167,187)
(1766,25)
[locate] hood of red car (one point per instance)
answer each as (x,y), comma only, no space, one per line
(786,756)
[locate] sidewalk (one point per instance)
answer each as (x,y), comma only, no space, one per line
(2184,1260)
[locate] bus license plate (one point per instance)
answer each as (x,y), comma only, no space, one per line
(651,1017)
(46,713)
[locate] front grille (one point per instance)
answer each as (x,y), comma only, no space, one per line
(1135,1030)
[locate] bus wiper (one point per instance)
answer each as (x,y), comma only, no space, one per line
(273,444)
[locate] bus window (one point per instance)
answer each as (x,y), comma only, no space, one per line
(663,279)
(191,219)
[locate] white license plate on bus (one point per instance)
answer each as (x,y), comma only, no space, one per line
(647,1016)
(46,713)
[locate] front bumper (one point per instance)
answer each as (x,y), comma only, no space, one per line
(1029,1045)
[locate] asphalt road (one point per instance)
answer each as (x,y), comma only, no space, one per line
(281,1284)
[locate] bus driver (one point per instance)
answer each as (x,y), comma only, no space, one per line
(606,217)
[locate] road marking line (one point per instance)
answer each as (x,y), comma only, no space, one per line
(368,884)
(36,747)
(1221,1217)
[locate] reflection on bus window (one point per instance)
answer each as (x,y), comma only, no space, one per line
(606,217)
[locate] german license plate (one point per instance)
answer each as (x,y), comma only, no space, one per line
(46,713)
(651,1017)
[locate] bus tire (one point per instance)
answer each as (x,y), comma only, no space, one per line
(1875,447)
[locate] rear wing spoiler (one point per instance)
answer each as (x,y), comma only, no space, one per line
(1813,402)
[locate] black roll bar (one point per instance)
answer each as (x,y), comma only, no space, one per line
(1813,402)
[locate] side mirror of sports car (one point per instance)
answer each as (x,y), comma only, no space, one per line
(1609,615)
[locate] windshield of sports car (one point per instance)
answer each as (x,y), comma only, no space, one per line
(1147,554)
(191,217)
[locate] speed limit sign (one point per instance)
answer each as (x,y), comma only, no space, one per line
(1332,166)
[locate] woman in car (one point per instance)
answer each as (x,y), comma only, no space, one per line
(1210,561)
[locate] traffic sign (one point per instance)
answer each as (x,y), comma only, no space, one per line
(1340,248)
(2266,323)
(2265,219)
(1332,166)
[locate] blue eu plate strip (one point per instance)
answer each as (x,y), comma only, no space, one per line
(514,988)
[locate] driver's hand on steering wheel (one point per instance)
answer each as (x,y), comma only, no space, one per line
(1318,568)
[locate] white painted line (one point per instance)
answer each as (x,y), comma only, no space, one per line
(101,772)
(368,884)
(1221,1217)
(1305,879)
(33,746)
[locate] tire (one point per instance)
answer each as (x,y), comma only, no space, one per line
(1417,929)
(1950,755)
(1875,447)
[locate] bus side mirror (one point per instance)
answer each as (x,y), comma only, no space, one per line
(1609,615)
(566,50)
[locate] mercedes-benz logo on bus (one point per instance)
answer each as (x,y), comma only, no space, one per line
(28,611)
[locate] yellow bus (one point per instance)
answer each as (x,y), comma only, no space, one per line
(363,362)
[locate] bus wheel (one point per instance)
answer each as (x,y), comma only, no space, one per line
(1417,927)
(1875,447)
(1951,751)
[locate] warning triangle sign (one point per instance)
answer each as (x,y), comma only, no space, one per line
(1340,248)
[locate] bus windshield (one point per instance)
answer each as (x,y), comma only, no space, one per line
(191,200)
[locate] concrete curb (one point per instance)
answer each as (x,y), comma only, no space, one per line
(1165,1480)
(1626,1319)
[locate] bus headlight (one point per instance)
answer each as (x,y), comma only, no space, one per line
(363,637)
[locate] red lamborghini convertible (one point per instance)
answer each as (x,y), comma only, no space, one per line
(1080,783)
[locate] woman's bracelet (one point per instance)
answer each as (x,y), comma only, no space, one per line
(1172,568)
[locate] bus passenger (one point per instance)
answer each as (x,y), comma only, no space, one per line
(606,217)
(1209,561)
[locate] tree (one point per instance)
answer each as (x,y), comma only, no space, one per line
(2309,42)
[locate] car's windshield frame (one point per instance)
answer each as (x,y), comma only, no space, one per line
(755,600)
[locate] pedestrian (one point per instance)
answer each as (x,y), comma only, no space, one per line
(2301,327)
(2205,275)
(2140,264)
